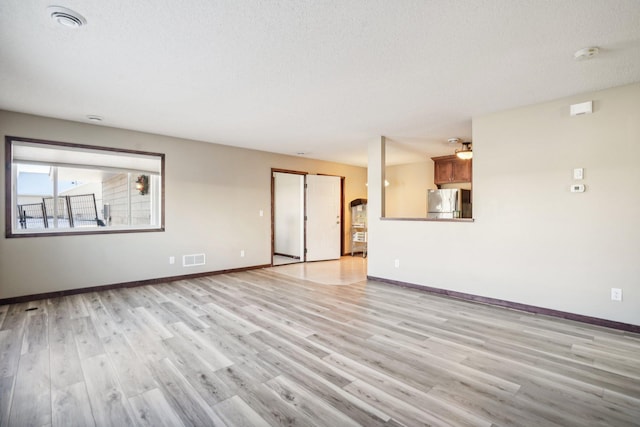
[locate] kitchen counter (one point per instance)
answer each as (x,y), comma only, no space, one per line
(429,219)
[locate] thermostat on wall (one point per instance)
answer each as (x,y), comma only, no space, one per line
(582,108)
(577,188)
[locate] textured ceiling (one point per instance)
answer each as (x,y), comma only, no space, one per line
(320,77)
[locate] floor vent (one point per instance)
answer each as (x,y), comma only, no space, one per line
(193,260)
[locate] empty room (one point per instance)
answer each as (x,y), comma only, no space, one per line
(320,213)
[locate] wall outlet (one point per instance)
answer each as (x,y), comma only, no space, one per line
(172,260)
(261,212)
(396,263)
(242,253)
(616,294)
(577,188)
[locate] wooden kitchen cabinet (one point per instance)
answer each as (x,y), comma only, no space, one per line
(451,169)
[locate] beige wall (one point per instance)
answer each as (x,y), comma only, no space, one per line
(533,241)
(214,194)
(406,195)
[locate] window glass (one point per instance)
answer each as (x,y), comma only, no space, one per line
(70,188)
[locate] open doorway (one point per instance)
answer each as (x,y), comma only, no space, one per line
(288,217)
(306,212)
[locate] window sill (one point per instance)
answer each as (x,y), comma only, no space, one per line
(79,232)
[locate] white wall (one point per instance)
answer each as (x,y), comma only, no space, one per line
(289,210)
(214,194)
(533,241)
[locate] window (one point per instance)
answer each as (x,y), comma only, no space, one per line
(55,188)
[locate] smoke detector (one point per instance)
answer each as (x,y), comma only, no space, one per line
(586,53)
(453,140)
(66,17)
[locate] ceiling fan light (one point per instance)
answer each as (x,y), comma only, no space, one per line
(465,153)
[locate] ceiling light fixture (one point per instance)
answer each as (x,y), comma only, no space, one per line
(453,140)
(66,17)
(586,53)
(93,118)
(465,153)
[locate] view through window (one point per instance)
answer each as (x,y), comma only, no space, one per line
(55,188)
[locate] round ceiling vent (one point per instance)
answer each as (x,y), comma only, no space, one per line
(66,17)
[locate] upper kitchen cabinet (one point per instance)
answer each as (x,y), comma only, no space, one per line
(451,169)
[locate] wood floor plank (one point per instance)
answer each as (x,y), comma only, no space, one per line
(228,320)
(133,375)
(277,321)
(355,408)
(153,325)
(10,347)
(246,376)
(87,339)
(148,302)
(184,400)
(77,306)
(309,404)
(204,349)
(269,406)
(108,403)
(554,404)
(36,334)
(153,410)
(70,406)
(310,360)
(64,358)
(408,394)
(6,396)
(397,408)
(263,348)
(102,321)
(197,372)
(237,413)
(31,403)
(185,315)
(3,313)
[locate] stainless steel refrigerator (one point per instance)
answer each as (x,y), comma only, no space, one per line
(449,203)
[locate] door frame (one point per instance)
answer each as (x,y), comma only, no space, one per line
(273,212)
(304,214)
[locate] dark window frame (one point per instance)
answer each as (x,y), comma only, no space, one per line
(10,212)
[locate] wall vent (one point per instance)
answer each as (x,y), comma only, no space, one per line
(193,260)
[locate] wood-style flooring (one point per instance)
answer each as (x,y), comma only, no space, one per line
(261,348)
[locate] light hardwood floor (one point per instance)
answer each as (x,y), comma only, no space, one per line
(261,348)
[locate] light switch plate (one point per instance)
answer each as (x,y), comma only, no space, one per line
(578,173)
(616,294)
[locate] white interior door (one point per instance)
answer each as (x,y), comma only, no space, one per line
(323,217)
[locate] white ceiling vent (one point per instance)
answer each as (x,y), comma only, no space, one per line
(66,17)
(193,260)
